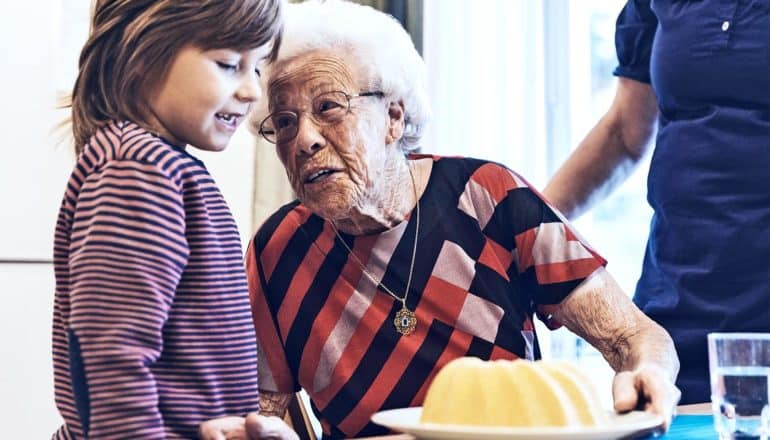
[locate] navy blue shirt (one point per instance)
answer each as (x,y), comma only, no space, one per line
(707,262)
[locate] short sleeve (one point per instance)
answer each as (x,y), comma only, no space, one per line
(550,259)
(634,34)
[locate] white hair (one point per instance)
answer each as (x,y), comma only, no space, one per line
(376,40)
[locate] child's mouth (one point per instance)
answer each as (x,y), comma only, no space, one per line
(229,119)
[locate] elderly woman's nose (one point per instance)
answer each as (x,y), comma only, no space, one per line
(309,139)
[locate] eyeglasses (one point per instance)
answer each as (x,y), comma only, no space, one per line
(326,109)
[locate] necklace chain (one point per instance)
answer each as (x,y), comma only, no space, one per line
(405,319)
(372,277)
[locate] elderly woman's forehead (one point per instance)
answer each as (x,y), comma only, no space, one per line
(315,67)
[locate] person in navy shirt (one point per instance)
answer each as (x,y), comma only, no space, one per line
(699,72)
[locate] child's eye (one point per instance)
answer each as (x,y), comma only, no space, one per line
(258,72)
(228,67)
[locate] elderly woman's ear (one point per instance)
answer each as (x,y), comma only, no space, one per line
(396,122)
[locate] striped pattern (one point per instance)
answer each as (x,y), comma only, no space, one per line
(325,327)
(152,332)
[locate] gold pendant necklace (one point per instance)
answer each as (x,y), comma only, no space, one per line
(405,320)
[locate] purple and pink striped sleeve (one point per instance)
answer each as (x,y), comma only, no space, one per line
(152,329)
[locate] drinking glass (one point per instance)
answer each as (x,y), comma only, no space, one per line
(739,366)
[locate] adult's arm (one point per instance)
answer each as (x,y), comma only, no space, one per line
(610,151)
(638,349)
(273,403)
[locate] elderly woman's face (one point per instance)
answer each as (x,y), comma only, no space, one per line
(332,168)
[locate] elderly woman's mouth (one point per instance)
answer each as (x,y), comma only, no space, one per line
(320,175)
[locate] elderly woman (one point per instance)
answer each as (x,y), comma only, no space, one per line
(391,264)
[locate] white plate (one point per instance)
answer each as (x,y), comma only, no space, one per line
(620,427)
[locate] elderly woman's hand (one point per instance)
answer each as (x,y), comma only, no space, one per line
(633,344)
(268,427)
(648,387)
(223,428)
(253,427)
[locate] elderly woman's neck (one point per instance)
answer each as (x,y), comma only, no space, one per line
(390,204)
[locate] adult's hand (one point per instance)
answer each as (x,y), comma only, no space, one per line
(649,388)
(253,427)
(261,427)
(637,348)
(223,428)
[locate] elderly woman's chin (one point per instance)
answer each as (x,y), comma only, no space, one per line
(331,205)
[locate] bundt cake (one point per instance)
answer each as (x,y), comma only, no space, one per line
(469,391)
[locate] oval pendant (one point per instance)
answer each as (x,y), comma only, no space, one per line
(405,321)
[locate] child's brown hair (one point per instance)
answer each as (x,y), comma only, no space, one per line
(133,42)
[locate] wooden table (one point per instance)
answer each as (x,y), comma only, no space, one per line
(391,437)
(697,408)
(694,409)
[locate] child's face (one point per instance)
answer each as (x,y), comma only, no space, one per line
(205,96)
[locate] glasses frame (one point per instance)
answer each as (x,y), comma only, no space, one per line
(270,135)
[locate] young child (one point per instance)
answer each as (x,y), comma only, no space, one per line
(152,330)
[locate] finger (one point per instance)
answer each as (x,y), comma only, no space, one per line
(254,425)
(261,427)
(207,433)
(624,392)
(661,396)
(655,393)
(236,433)
(657,398)
(275,428)
(223,428)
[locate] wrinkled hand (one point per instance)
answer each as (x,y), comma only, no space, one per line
(647,388)
(223,428)
(268,428)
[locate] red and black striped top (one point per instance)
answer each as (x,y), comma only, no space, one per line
(490,254)
(152,331)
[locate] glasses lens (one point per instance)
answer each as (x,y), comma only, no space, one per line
(279,127)
(331,107)
(267,131)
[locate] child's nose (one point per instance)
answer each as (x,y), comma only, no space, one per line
(249,89)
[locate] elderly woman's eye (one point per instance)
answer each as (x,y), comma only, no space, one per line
(283,122)
(328,105)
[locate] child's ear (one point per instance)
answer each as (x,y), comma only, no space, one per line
(395,122)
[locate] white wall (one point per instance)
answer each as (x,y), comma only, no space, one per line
(32,169)
(32,176)
(27,409)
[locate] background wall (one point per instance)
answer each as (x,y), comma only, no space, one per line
(32,175)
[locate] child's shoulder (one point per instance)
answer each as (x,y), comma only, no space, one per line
(122,143)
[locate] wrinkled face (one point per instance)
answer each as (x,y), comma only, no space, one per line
(205,96)
(334,168)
